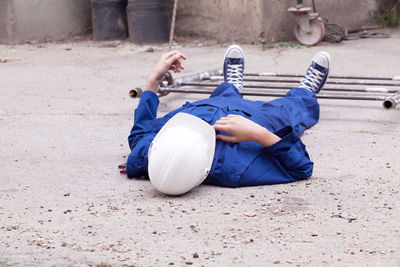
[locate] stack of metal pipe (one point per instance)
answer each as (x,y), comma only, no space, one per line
(385,89)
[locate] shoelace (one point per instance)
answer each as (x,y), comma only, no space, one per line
(235,75)
(312,80)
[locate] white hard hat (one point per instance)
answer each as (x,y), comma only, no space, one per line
(181,154)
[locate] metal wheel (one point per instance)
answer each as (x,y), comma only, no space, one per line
(314,37)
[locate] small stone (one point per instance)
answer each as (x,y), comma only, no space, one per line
(314,234)
(277,262)
(277,211)
(67,195)
(248,241)
(250,214)
(195,255)
(41,243)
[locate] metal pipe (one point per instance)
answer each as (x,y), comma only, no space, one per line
(137,92)
(280,86)
(330,76)
(391,101)
(197,76)
(329,81)
(166,90)
(313,6)
(171,33)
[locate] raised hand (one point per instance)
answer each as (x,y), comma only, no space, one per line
(169,61)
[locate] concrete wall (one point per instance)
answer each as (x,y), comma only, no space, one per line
(246,21)
(225,20)
(5,20)
(40,20)
(250,21)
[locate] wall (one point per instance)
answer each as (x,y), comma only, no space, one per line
(226,20)
(245,21)
(5,20)
(250,21)
(40,20)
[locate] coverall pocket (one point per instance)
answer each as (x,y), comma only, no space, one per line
(240,112)
(204,112)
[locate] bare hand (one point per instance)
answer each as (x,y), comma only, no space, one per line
(169,61)
(243,130)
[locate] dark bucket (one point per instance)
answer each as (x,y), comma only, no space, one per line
(148,21)
(109,20)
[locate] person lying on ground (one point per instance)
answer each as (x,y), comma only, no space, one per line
(251,142)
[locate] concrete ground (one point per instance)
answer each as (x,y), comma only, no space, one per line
(65,116)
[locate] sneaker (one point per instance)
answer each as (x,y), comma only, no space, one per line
(234,66)
(317,73)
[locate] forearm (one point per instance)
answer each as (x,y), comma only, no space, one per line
(265,137)
(242,130)
(152,84)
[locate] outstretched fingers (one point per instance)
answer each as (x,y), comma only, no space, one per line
(175,60)
(170,61)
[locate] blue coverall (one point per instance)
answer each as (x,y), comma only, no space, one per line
(244,163)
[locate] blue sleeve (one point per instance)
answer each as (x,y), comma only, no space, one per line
(291,154)
(144,113)
(137,161)
(141,136)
